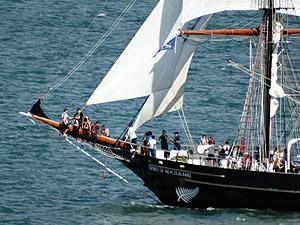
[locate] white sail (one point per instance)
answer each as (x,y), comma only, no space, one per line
(171,99)
(136,73)
(195,8)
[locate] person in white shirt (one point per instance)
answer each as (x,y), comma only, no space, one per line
(152,146)
(131,134)
(105,131)
(65,121)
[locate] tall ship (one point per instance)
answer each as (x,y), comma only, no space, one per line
(155,65)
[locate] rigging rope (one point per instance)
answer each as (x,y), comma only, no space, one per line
(186,130)
(73,49)
(99,162)
(93,49)
(109,170)
(247,71)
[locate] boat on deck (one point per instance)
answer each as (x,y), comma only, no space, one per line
(183,177)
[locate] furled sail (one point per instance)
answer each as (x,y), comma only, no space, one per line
(276,91)
(193,9)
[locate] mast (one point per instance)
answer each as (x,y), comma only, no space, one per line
(268,19)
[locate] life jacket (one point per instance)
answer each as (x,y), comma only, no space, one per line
(226,147)
(246,160)
(94,132)
(86,126)
(203,141)
(76,124)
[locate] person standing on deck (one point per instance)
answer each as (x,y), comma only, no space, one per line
(65,121)
(176,141)
(94,132)
(76,125)
(86,129)
(131,134)
(80,114)
(226,147)
(242,147)
(211,152)
(204,140)
(152,146)
(212,141)
(163,139)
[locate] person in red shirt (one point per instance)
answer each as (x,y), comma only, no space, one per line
(242,147)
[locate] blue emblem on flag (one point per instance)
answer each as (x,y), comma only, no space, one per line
(170,45)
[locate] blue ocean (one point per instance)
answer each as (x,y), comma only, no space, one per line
(44,179)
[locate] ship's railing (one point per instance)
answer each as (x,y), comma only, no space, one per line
(187,155)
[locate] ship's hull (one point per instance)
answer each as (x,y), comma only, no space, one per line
(196,186)
(182,184)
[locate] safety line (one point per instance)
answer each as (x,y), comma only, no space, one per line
(99,162)
(109,170)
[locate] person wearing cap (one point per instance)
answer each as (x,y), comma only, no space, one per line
(296,164)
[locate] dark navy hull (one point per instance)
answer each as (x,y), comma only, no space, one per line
(194,186)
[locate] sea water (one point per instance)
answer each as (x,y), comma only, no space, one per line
(45,180)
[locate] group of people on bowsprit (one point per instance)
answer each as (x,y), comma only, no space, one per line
(85,125)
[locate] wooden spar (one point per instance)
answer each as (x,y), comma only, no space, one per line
(246,32)
(239,32)
(58,126)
